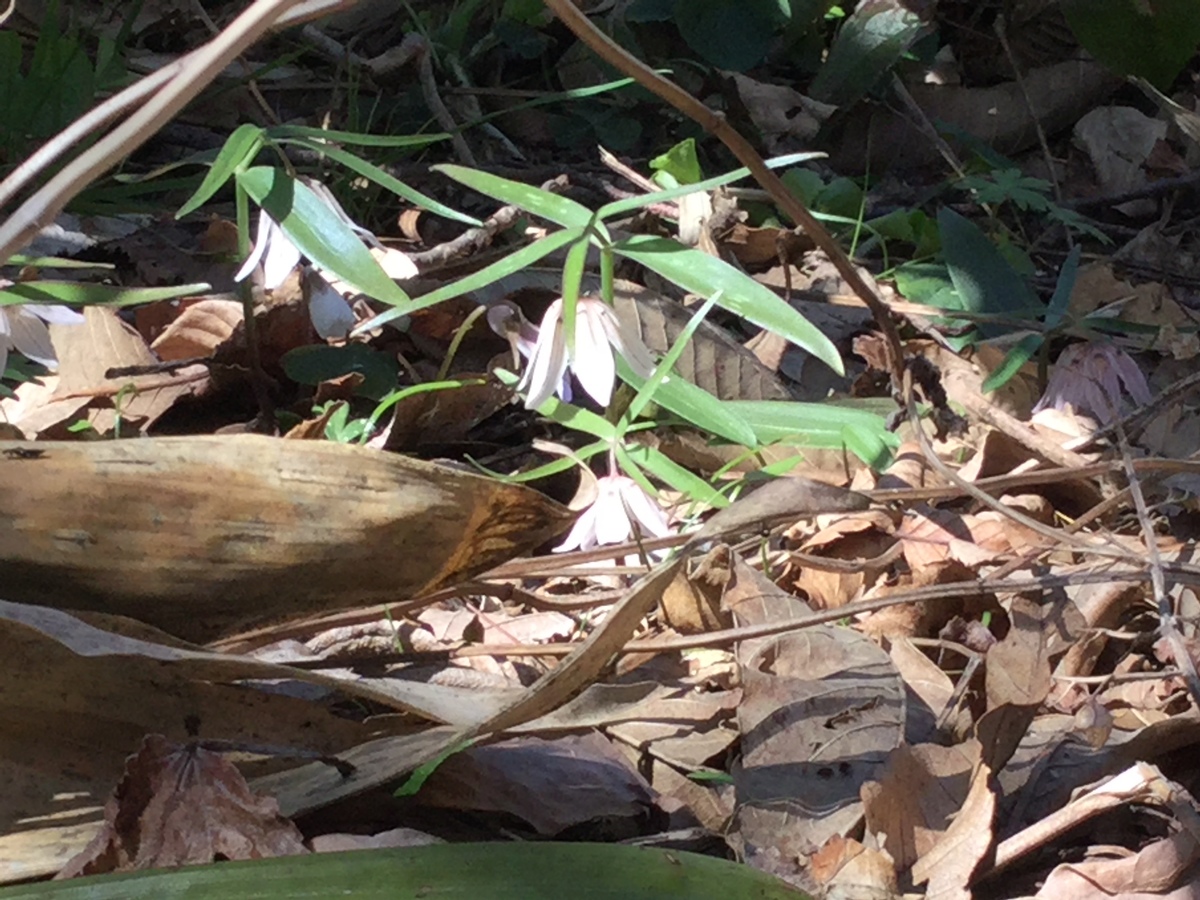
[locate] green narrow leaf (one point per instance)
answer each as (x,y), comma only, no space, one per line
(514,262)
(670,472)
(696,271)
(1056,310)
(646,392)
(696,405)
(355,138)
(822,425)
(620,207)
(77,293)
(1017,356)
(318,232)
(383,179)
(239,150)
(578,419)
(560,210)
(420,775)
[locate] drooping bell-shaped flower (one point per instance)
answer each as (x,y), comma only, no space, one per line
(598,332)
(620,505)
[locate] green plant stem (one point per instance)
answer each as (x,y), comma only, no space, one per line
(258,378)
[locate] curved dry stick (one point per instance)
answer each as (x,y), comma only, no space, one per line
(155,100)
(715,123)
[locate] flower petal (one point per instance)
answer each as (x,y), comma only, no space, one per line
(649,515)
(282,256)
(331,315)
(548,362)
(612,521)
(583,533)
(628,343)
(260,246)
(593,362)
(55,315)
(30,336)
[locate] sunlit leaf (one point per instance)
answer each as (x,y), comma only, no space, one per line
(384,179)
(239,150)
(560,210)
(77,293)
(514,262)
(702,274)
(695,405)
(319,233)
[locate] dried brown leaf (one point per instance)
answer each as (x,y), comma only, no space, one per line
(181,805)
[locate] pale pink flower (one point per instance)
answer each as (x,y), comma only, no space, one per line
(23,328)
(597,332)
(608,520)
(1093,378)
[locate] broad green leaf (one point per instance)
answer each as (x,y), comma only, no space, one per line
(355,138)
(729,34)
(560,210)
(531,870)
(239,151)
(514,262)
(383,179)
(1134,37)
(680,162)
(318,232)
(695,405)
(983,278)
(869,43)
(314,363)
(696,271)
(77,293)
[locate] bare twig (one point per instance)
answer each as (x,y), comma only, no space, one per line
(1168,621)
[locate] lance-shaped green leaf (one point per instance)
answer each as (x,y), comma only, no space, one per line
(699,273)
(77,293)
(560,210)
(355,138)
(373,173)
(824,425)
(695,405)
(514,262)
(319,233)
(628,204)
(670,472)
(239,150)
